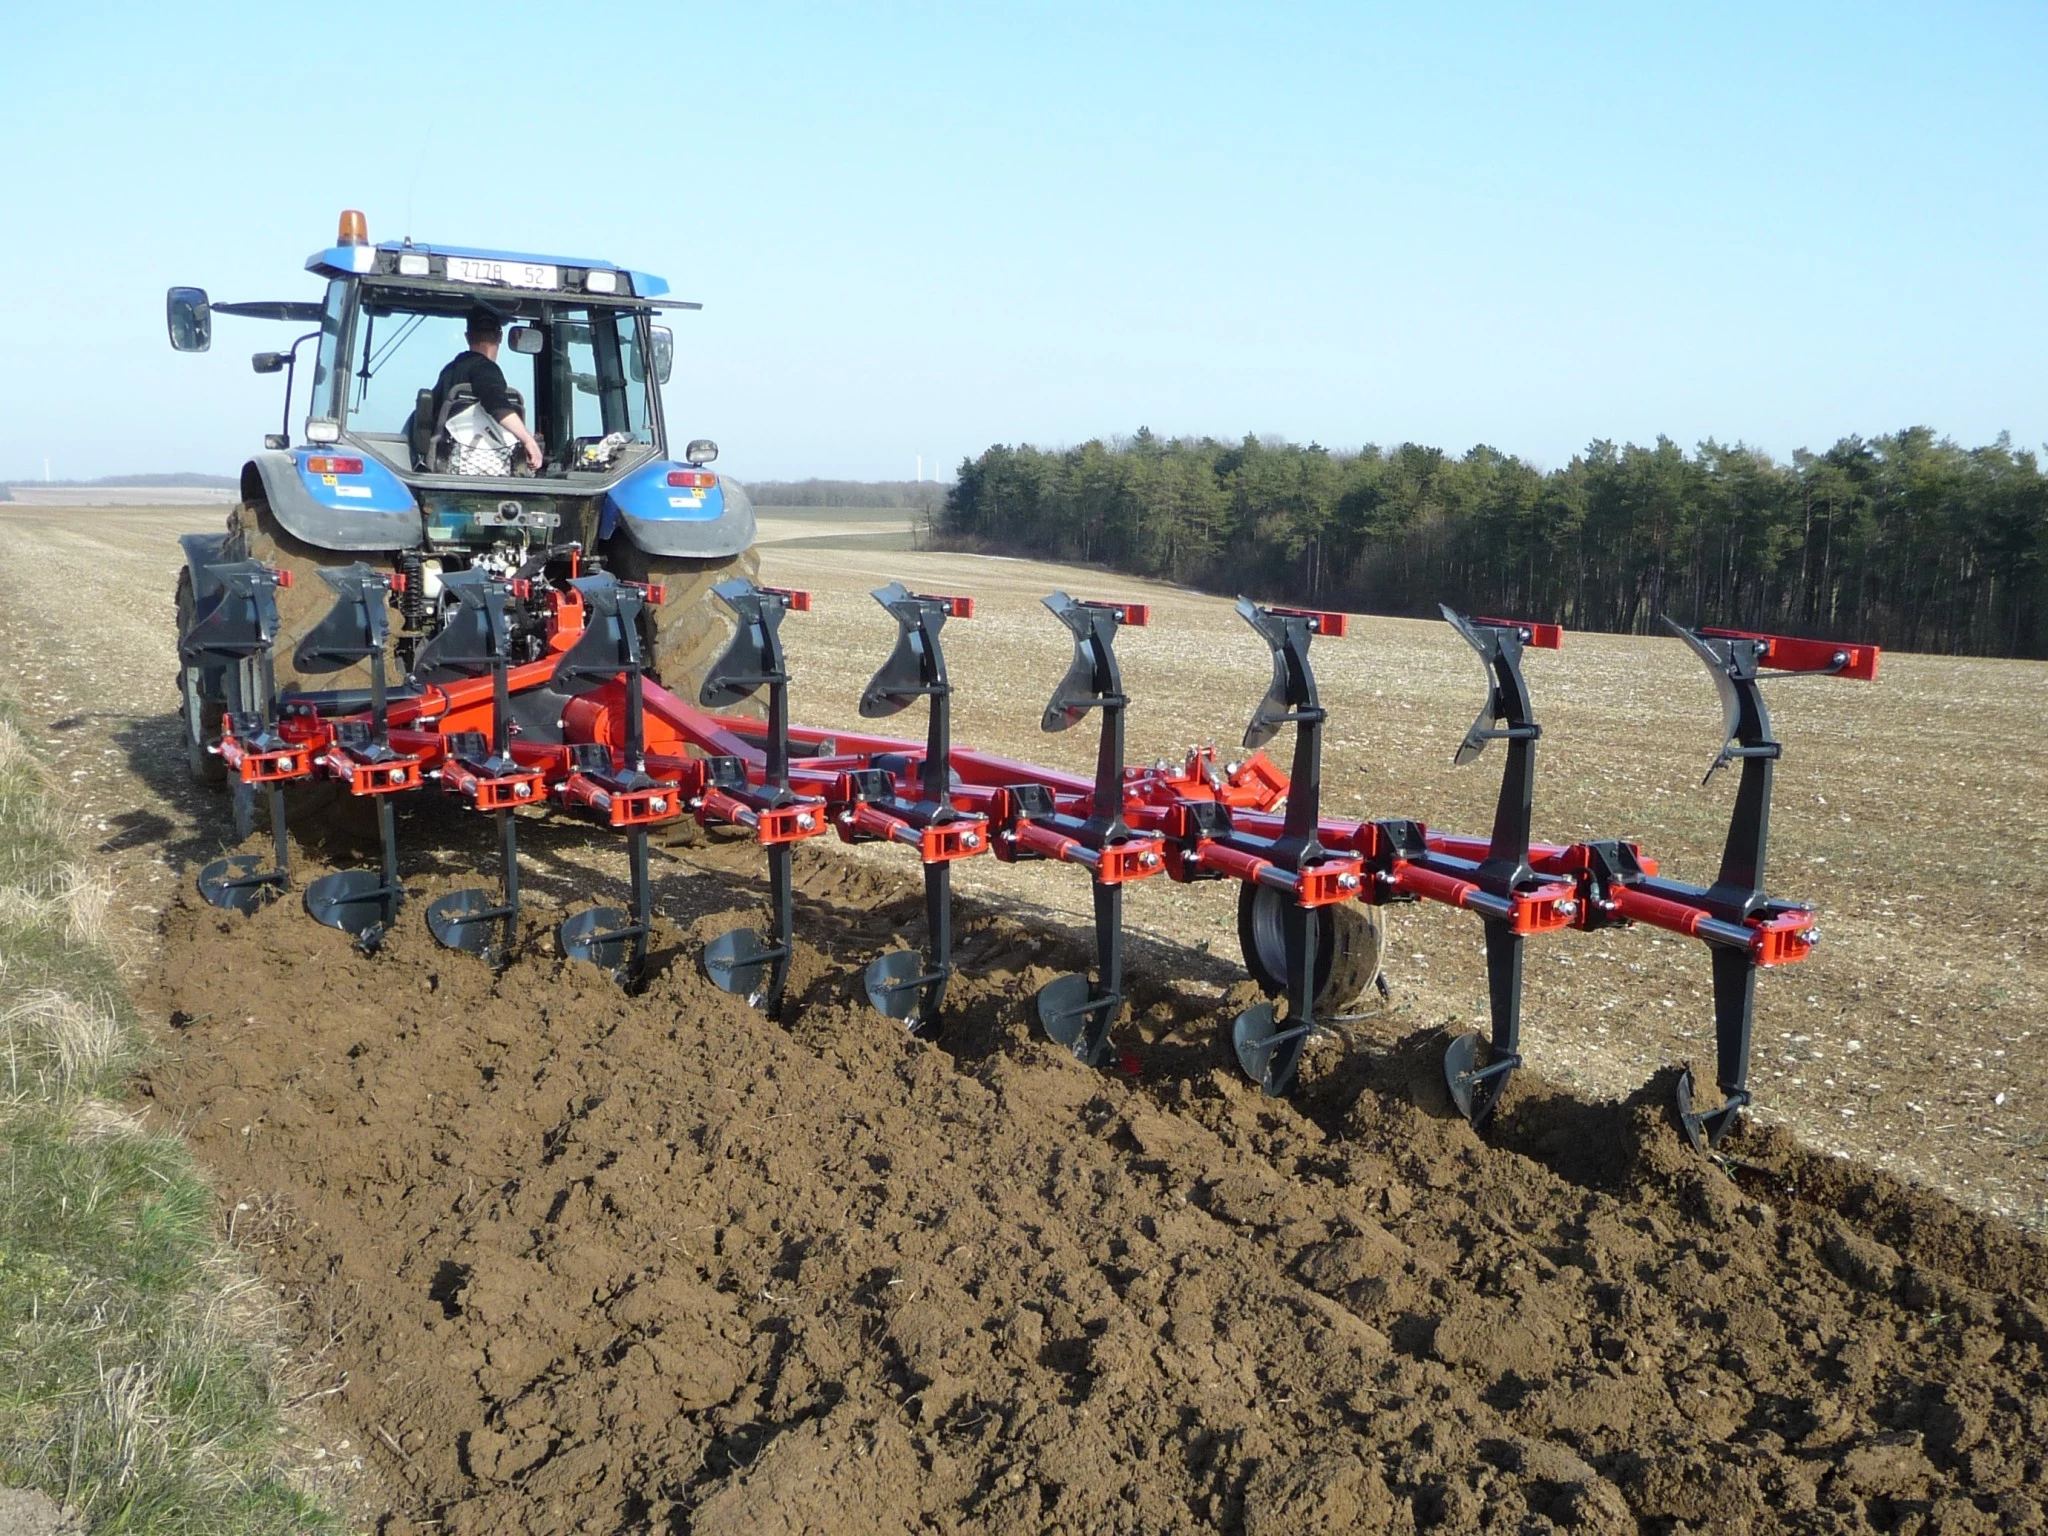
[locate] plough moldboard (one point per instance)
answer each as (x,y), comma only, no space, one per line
(533,692)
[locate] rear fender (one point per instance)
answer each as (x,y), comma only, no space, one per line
(711,523)
(372,510)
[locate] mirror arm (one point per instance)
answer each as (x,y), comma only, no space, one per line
(291,374)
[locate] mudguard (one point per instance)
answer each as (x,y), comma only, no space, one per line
(371,510)
(667,520)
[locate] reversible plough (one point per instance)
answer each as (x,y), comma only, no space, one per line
(534,693)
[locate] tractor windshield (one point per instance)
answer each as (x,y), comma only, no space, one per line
(580,373)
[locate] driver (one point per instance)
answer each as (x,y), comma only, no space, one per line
(478,368)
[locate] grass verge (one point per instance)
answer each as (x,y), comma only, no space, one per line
(134,1368)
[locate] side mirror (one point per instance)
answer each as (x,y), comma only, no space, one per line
(190,318)
(665,356)
(268,362)
(701,451)
(525,340)
(276,442)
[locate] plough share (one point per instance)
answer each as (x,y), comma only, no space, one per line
(534,693)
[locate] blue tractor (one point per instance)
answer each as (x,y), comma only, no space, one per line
(385,470)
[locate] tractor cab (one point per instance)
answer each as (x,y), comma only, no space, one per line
(374,461)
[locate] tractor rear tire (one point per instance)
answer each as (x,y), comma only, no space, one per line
(321,811)
(1350,938)
(308,599)
(199,716)
(691,627)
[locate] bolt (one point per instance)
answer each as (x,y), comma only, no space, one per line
(1148,860)
(522,791)
(970,840)
(284,765)
(1567,909)
(805,821)
(658,804)
(396,775)
(1809,936)
(846,816)
(1230,770)
(1347,882)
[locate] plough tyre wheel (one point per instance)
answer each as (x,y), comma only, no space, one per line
(306,601)
(200,716)
(1349,941)
(688,631)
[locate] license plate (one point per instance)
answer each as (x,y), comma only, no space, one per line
(508,274)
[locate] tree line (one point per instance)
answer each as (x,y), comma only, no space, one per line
(1904,539)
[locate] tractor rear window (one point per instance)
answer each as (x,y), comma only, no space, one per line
(399,353)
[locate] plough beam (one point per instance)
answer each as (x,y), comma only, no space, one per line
(1506,715)
(477,636)
(360,902)
(1738,920)
(742,961)
(1295,862)
(902,984)
(238,634)
(623,794)
(1078,1011)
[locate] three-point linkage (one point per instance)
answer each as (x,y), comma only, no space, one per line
(903,984)
(742,961)
(620,792)
(477,638)
(361,902)
(235,628)
(1075,1009)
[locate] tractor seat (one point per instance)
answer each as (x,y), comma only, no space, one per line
(419,430)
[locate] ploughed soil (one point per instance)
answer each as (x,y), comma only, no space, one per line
(588,1261)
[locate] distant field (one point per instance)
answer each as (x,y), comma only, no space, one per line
(844,528)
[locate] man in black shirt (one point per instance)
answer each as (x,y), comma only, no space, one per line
(478,368)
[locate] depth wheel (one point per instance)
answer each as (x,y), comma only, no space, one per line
(199,715)
(685,634)
(1350,938)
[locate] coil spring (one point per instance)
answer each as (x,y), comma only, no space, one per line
(412,603)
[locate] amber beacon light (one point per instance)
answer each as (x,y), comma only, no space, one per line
(355,229)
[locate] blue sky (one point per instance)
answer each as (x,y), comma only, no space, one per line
(923,229)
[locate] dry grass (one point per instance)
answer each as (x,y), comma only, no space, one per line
(136,1376)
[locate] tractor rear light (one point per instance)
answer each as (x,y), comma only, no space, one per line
(799,600)
(322,429)
(693,479)
(413,264)
(601,282)
(355,229)
(320,465)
